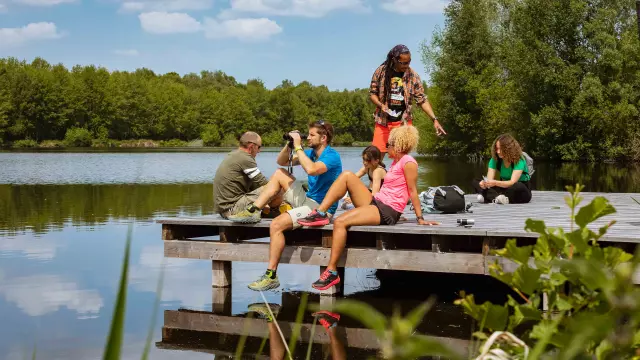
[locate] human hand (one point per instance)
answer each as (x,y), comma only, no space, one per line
(426,222)
(384,108)
(490,183)
(438,127)
(347,200)
(483,184)
(297,140)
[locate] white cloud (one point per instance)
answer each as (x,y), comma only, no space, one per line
(37,248)
(307,8)
(3,8)
(127,52)
(168,23)
(165,5)
(31,32)
(43,2)
(408,7)
(42,294)
(242,29)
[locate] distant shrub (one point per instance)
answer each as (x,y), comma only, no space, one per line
(143,143)
(173,143)
(343,139)
(78,137)
(104,143)
(49,144)
(229,140)
(273,138)
(210,135)
(23,144)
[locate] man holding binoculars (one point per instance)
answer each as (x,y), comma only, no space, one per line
(322,164)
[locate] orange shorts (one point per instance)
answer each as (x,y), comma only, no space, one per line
(381,134)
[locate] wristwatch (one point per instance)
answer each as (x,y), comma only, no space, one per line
(298,148)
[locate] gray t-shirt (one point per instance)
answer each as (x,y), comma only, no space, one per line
(237,175)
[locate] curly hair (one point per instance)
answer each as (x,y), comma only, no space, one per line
(509,148)
(404,138)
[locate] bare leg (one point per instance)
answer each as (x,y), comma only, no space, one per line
(347,181)
(337,347)
(280,180)
(365,215)
(276,346)
(276,230)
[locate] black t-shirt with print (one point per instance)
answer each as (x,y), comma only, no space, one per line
(396,102)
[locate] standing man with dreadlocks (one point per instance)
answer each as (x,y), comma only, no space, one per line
(394,87)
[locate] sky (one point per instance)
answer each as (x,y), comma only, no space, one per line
(337,43)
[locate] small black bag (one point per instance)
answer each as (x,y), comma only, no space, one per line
(451,202)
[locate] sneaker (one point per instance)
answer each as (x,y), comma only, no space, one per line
(326,280)
(480,198)
(314,219)
(265,283)
(246,217)
(327,318)
(263,312)
(501,199)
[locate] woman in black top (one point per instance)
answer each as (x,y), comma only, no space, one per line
(374,168)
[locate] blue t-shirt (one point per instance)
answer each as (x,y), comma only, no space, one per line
(319,185)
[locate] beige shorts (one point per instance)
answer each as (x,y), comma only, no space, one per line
(301,204)
(244,201)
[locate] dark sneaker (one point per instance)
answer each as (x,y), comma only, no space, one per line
(326,280)
(263,312)
(327,318)
(314,219)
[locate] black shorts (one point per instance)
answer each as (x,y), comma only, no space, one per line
(388,216)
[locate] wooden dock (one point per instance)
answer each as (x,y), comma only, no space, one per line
(447,248)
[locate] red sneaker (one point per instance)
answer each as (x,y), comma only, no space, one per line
(326,280)
(314,219)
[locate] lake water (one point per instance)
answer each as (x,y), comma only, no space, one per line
(63,223)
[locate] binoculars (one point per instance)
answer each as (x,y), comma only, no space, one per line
(466,222)
(288,137)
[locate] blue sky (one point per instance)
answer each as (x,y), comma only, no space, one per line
(337,43)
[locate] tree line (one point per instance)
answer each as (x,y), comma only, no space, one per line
(41,102)
(563,76)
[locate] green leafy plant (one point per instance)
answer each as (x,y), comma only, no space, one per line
(78,137)
(592,307)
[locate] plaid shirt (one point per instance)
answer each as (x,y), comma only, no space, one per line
(413,90)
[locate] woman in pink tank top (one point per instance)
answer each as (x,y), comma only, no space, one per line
(383,208)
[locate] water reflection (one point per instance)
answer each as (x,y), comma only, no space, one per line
(269,327)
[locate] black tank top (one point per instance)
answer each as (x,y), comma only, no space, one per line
(371,179)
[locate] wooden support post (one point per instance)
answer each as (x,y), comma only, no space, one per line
(488,243)
(385,242)
(221,270)
(439,244)
(327,302)
(221,300)
(221,273)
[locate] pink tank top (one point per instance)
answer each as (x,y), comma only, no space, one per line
(395,192)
